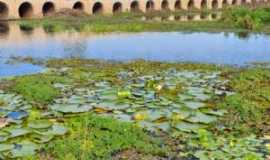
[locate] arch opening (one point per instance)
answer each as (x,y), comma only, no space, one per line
(190,5)
(224,3)
(134,6)
(3,10)
(97,8)
(204,4)
(117,7)
(215,4)
(78,6)
(165,5)
(26,10)
(234,2)
(177,5)
(150,5)
(243,2)
(48,9)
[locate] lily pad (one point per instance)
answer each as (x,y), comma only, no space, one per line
(58,129)
(188,127)
(40,124)
(42,138)
(199,117)
(16,132)
(71,108)
(194,105)
(17,115)
(24,149)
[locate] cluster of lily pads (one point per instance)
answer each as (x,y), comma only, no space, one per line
(168,101)
(18,136)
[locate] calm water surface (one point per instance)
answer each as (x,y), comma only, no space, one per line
(217,48)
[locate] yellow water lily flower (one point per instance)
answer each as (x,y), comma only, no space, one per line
(139,116)
(159,87)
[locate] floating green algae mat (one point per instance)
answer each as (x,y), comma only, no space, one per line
(103,108)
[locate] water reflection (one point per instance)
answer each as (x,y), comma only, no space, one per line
(220,48)
(190,17)
(75,49)
(26,29)
(4,29)
(243,35)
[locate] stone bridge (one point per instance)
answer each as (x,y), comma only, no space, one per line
(15,9)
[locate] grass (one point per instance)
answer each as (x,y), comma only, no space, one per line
(96,137)
(113,25)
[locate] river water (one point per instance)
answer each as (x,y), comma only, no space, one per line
(200,47)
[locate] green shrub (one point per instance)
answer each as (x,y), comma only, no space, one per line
(247,18)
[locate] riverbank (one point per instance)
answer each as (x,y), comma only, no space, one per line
(237,19)
(109,110)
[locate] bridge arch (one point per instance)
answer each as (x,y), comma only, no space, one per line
(97,8)
(190,5)
(25,10)
(225,3)
(150,5)
(117,7)
(3,10)
(164,5)
(204,4)
(234,2)
(78,6)
(214,4)
(178,5)
(134,6)
(48,8)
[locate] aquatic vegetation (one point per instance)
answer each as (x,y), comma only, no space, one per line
(249,108)
(36,88)
(96,137)
(18,138)
(205,145)
(142,99)
(105,108)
